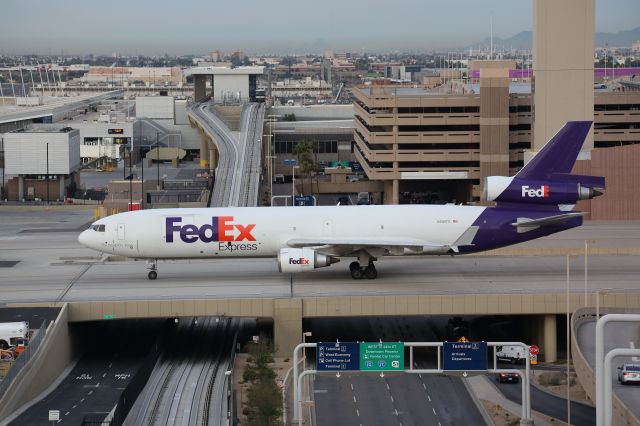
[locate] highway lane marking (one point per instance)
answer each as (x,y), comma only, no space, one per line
(354,398)
(424,386)
(104,375)
(67,413)
(90,392)
(357,412)
(110,365)
(632,345)
(74,406)
(391,396)
(82,400)
(434,411)
(388,388)
(351,386)
(429,398)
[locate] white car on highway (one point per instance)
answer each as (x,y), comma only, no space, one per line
(629,373)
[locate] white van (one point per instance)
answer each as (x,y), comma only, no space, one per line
(512,354)
(10,332)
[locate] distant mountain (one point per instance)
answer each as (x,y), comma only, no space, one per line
(522,40)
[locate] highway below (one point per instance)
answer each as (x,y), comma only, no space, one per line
(626,335)
(409,399)
(550,405)
(110,360)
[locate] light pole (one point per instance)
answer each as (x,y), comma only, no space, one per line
(3,167)
(142,196)
(304,359)
(47,180)
(568,331)
(586,270)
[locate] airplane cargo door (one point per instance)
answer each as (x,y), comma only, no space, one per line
(121,233)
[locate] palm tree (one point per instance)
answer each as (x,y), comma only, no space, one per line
(304,153)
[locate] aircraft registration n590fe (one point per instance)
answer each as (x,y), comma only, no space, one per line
(537,201)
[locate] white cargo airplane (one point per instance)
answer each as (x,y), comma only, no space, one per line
(533,203)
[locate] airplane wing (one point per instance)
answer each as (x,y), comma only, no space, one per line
(347,246)
(525,224)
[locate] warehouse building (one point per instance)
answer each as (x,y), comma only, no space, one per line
(46,162)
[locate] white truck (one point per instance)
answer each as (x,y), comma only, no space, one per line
(512,354)
(10,332)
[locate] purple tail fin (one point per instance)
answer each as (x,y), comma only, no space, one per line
(559,154)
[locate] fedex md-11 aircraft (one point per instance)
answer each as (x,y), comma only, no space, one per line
(537,201)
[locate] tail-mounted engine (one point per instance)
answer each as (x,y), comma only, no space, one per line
(562,189)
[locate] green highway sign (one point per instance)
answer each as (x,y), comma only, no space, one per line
(381,356)
(108,316)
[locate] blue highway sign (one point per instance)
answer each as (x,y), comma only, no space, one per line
(465,356)
(337,356)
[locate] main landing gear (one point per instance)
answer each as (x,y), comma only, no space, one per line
(358,272)
(153,274)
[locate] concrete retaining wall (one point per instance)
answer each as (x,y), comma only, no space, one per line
(55,353)
(586,376)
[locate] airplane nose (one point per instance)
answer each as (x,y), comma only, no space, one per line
(83,238)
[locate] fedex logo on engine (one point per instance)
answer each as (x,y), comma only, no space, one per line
(542,192)
(299,261)
(221,228)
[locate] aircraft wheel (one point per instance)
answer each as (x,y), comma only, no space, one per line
(353,266)
(357,273)
(371,272)
(152,275)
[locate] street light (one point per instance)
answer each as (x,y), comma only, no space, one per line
(304,357)
(586,272)
(568,344)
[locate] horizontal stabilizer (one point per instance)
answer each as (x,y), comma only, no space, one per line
(525,224)
(466,239)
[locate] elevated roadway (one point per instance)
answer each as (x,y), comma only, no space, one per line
(626,409)
(238,169)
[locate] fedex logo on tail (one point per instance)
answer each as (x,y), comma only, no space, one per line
(221,228)
(541,192)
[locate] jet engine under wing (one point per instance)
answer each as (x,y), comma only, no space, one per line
(525,224)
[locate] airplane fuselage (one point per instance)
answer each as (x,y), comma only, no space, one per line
(262,231)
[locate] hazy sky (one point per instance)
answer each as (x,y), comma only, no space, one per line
(291,26)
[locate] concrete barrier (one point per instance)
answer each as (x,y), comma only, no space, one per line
(53,356)
(586,376)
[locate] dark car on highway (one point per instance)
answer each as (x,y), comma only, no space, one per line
(508,377)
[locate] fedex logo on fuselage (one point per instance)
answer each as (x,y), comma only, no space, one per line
(299,261)
(221,228)
(541,192)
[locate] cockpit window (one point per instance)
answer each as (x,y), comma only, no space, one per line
(98,228)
